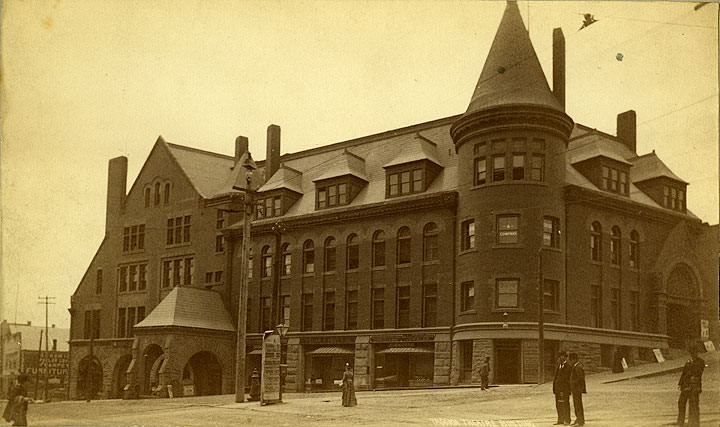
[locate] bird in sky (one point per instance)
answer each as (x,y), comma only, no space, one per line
(589,19)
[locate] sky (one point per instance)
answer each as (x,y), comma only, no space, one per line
(84,81)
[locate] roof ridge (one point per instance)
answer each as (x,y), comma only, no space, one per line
(199,150)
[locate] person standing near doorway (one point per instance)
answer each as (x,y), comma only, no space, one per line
(690,386)
(348,388)
(561,389)
(577,388)
(485,373)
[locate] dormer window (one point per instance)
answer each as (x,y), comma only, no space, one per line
(269,207)
(339,191)
(615,180)
(674,198)
(410,178)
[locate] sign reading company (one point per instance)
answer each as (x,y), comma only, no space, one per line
(270,381)
(56,363)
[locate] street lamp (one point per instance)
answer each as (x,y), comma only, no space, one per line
(541,319)
(248,166)
(505,320)
(282,330)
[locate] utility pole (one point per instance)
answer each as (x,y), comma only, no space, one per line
(47,301)
(541,320)
(37,365)
(278,229)
(249,205)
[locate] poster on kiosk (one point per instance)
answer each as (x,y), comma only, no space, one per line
(270,381)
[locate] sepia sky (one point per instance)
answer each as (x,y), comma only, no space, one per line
(86,81)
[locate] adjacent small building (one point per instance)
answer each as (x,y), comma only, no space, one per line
(411,254)
(22,351)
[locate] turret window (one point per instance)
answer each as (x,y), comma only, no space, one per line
(498,173)
(520,160)
(480,171)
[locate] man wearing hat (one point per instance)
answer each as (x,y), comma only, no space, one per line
(561,389)
(690,386)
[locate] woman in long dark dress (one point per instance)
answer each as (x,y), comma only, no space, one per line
(348,388)
(19,398)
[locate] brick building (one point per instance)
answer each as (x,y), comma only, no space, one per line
(410,254)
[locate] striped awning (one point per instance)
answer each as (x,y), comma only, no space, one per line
(331,350)
(396,350)
(256,351)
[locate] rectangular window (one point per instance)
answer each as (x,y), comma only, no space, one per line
(332,195)
(507,229)
(506,291)
(178,230)
(133,278)
(623,183)
(498,168)
(550,295)
(285,309)
(613,179)
(167,274)
(177,272)
(405,182)
(307,307)
(186,229)
(468,234)
(595,307)
(87,330)
(96,324)
(265,316)
(429,304)
(329,312)
(681,200)
(309,261)
(403,306)
(322,198)
(634,310)
(479,148)
(378,308)
(393,184)
(99,281)
(269,205)
(518,167)
(551,232)
(188,268)
(330,258)
(121,322)
(277,206)
(218,276)
(537,166)
(417,179)
(480,171)
(142,277)
(219,243)
(403,248)
(122,279)
(351,304)
(220,219)
(342,194)
(134,238)
(353,257)
(673,198)
(467,296)
(666,196)
(130,321)
(605,177)
(286,264)
(208,277)
(615,308)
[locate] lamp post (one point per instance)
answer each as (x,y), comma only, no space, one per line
(282,330)
(248,201)
(541,320)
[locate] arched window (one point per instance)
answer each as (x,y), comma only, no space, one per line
(250,264)
(378,249)
(157,193)
(353,252)
(403,245)
(596,242)
(266,261)
(330,254)
(634,249)
(166,195)
(308,256)
(286,260)
(147,197)
(615,245)
(430,242)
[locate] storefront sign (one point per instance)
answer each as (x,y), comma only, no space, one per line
(389,338)
(56,362)
(327,340)
(270,381)
(704,329)
(658,355)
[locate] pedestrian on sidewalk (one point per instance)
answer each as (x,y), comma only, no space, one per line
(18,402)
(577,388)
(348,388)
(690,386)
(561,389)
(485,373)
(8,412)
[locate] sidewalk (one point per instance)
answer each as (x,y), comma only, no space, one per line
(651,369)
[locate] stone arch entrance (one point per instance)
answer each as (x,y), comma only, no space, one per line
(202,375)
(153,356)
(90,374)
(683,305)
(120,377)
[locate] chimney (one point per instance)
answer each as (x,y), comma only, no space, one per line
(559,66)
(272,159)
(627,129)
(53,325)
(117,180)
(241,146)
(29,323)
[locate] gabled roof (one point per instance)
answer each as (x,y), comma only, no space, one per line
(512,74)
(345,164)
(285,177)
(650,166)
(190,308)
(420,148)
(30,336)
(593,144)
(208,172)
(573,177)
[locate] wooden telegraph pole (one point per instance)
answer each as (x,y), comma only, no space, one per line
(47,301)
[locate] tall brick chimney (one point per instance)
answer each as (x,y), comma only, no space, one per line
(627,129)
(241,146)
(559,66)
(272,159)
(117,181)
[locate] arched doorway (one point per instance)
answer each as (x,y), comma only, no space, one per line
(683,303)
(152,358)
(120,377)
(202,375)
(90,375)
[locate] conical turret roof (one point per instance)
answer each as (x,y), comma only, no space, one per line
(512,74)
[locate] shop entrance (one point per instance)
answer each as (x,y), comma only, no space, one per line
(507,361)
(466,356)
(683,298)
(324,366)
(398,367)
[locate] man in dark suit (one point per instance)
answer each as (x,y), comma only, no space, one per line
(690,386)
(577,388)
(561,389)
